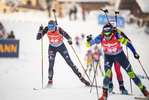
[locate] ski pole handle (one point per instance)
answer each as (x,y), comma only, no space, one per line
(116,12)
(54,11)
(105,11)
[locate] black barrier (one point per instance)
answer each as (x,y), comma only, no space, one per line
(9,48)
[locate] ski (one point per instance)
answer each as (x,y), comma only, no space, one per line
(47,86)
(142,98)
(125,94)
(38,88)
(95,86)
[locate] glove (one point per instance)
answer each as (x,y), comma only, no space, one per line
(89,38)
(70,41)
(88,44)
(41,28)
(136,56)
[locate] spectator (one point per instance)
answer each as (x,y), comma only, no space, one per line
(75,12)
(11,35)
(1,26)
(1,35)
(82,35)
(88,10)
(83,13)
(2,31)
(77,41)
(70,12)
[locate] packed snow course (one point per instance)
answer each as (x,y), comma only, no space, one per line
(18,76)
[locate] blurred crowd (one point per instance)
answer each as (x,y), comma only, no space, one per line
(4,35)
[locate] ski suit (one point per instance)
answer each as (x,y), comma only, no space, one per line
(56,44)
(116,64)
(97,54)
(89,61)
(113,52)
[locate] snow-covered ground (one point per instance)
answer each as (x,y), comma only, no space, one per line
(18,76)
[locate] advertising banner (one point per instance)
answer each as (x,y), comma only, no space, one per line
(9,48)
(102,19)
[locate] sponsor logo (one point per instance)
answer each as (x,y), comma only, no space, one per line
(52,36)
(8,48)
(107,64)
(50,52)
(120,36)
(107,28)
(65,52)
(109,45)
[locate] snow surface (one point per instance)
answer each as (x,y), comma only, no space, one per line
(18,76)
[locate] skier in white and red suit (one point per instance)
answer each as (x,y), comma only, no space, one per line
(55,35)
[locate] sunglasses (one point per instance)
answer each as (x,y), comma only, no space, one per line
(51,26)
(107,34)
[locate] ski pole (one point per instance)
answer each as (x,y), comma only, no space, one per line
(129,77)
(54,11)
(80,63)
(116,12)
(95,73)
(93,78)
(95,69)
(143,69)
(42,54)
(105,11)
(102,73)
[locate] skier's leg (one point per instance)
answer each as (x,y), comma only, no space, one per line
(110,83)
(90,69)
(123,61)
(107,66)
(51,57)
(118,72)
(63,51)
(100,68)
(120,78)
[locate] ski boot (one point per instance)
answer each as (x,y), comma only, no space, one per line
(84,81)
(105,94)
(123,90)
(145,92)
(110,90)
(50,81)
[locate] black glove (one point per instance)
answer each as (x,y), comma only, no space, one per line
(41,28)
(136,56)
(89,38)
(70,41)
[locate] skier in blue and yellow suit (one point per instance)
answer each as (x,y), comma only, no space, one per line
(55,35)
(113,52)
(89,61)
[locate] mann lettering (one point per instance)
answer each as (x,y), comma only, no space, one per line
(8,48)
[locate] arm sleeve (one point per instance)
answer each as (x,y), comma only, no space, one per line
(125,42)
(98,39)
(65,34)
(45,30)
(123,34)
